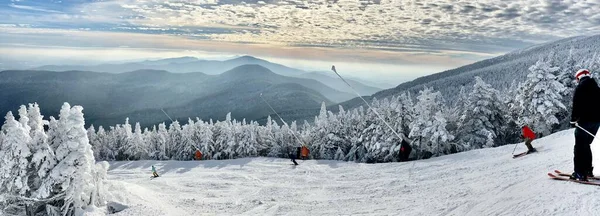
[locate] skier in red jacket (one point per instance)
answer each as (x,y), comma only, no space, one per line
(529,136)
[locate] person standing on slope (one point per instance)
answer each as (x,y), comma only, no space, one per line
(154,174)
(529,136)
(294,155)
(405,149)
(585,114)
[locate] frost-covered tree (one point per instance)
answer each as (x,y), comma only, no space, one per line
(14,161)
(247,140)
(539,98)
(174,140)
(429,127)
(188,145)
(43,159)
(102,150)
(201,136)
(159,142)
(99,192)
(71,179)
(483,117)
(136,148)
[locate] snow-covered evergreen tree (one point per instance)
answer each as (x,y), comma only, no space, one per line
(102,150)
(539,98)
(188,145)
(483,117)
(429,127)
(137,149)
(158,151)
(71,178)
(14,161)
(99,192)
(43,159)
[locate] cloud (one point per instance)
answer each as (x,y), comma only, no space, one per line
(25,7)
(438,32)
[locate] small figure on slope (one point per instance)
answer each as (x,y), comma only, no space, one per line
(154,174)
(529,136)
(585,114)
(198,155)
(405,149)
(295,155)
(304,152)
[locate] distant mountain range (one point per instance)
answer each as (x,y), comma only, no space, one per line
(213,67)
(110,98)
(179,65)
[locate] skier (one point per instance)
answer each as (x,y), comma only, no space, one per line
(154,174)
(198,155)
(405,149)
(304,152)
(585,114)
(529,136)
(294,156)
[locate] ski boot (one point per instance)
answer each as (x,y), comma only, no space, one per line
(532,150)
(578,177)
(590,172)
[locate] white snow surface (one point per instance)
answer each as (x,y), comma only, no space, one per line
(479,182)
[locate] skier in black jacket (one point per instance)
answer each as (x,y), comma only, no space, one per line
(586,114)
(295,155)
(405,149)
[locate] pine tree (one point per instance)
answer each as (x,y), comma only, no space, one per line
(136,148)
(71,177)
(102,149)
(429,127)
(540,97)
(483,118)
(43,159)
(14,160)
(161,143)
(266,139)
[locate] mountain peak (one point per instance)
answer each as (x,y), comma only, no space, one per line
(246,58)
(248,69)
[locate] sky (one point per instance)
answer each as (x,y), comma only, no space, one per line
(379,40)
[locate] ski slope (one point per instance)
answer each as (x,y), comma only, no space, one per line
(479,182)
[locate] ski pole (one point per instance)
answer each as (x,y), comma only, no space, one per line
(367,103)
(577,124)
(515,148)
(289,128)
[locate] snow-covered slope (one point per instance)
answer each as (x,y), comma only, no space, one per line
(479,182)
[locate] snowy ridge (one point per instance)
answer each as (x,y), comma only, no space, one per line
(479,182)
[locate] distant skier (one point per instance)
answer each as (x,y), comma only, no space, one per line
(405,149)
(585,114)
(154,174)
(293,155)
(304,152)
(198,155)
(529,136)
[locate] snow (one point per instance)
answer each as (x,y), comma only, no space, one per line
(479,182)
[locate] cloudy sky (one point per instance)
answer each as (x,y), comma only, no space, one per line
(389,40)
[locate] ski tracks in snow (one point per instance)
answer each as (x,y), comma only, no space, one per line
(479,182)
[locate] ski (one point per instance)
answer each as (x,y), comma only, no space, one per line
(561,178)
(520,155)
(569,175)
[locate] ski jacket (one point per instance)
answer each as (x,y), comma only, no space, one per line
(304,151)
(198,155)
(153,170)
(586,104)
(528,133)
